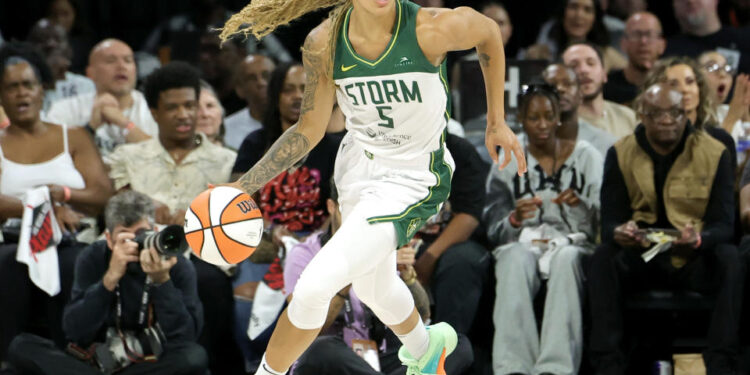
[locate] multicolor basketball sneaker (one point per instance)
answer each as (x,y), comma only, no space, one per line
(443,341)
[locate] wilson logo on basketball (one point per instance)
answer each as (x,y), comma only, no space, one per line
(247,206)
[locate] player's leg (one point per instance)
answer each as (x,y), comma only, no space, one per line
(425,348)
(355,249)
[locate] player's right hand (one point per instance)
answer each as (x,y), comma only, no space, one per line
(499,134)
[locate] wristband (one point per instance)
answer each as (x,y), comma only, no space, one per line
(66,193)
(512,219)
(128,128)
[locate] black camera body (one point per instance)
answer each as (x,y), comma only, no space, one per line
(169,242)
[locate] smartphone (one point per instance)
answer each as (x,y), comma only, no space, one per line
(669,232)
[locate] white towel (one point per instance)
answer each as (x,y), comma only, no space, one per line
(37,243)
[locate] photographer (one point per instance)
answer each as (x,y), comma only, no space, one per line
(112,278)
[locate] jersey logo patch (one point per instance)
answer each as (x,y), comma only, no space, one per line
(347,68)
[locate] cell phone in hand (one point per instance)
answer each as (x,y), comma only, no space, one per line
(668,232)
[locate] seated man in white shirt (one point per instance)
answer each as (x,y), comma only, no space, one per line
(251,84)
(116,113)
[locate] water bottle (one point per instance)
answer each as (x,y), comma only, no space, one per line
(743,142)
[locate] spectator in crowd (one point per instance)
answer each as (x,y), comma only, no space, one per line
(586,60)
(112,279)
(176,37)
(540,225)
(572,128)
(179,164)
(34,153)
(51,39)
(217,63)
(251,79)
(577,21)
(497,12)
(210,119)
(116,113)
(735,116)
(643,43)
(667,153)
(349,319)
(702,31)
(79,34)
(295,199)
(684,75)
(172,170)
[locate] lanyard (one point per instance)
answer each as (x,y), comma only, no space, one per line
(131,355)
(348,313)
(144,304)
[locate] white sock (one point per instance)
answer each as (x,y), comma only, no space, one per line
(417,341)
(265,369)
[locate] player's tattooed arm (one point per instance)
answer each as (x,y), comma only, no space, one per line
(286,151)
(312,62)
(484,60)
(317,103)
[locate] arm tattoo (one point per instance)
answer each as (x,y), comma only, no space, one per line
(286,151)
(312,63)
(484,60)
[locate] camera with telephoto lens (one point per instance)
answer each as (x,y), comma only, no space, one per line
(169,242)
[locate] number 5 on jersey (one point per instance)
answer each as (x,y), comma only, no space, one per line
(388,120)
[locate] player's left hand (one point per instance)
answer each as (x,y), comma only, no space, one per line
(499,134)
(156,266)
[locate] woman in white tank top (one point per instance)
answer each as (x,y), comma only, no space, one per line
(34,153)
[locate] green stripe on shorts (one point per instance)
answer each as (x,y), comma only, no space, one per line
(409,221)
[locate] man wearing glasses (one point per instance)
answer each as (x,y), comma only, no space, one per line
(643,43)
(668,181)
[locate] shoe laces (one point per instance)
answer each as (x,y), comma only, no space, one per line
(412,367)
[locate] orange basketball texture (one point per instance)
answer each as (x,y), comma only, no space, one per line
(223,225)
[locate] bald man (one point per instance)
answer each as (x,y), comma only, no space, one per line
(116,113)
(251,84)
(670,178)
(644,44)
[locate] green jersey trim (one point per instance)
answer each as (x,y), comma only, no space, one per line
(443,66)
(345,36)
(413,217)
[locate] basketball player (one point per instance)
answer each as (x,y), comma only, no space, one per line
(384,62)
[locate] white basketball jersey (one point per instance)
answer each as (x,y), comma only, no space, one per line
(395,106)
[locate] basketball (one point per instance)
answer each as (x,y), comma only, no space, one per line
(223,225)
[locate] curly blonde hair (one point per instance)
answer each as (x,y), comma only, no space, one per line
(262,17)
(706,115)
